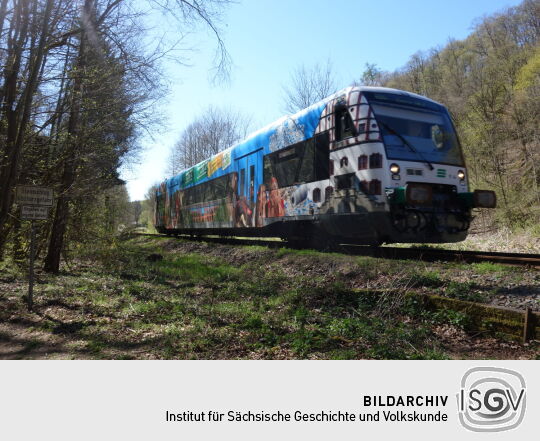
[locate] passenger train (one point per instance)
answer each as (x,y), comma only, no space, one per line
(365,166)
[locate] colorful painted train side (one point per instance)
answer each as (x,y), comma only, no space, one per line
(365,165)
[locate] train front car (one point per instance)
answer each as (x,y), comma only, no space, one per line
(398,170)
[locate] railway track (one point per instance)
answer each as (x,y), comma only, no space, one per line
(434,254)
(423,254)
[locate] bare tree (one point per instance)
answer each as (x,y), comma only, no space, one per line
(76,89)
(308,85)
(213,131)
(190,14)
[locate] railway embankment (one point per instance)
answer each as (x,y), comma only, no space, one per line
(167,298)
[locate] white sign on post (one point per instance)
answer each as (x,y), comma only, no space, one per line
(34,203)
(34,212)
(26,195)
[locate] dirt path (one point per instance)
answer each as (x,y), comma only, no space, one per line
(18,342)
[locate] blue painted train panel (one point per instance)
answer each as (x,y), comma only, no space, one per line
(283,132)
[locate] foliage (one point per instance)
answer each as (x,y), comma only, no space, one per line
(372,76)
(77,89)
(491,83)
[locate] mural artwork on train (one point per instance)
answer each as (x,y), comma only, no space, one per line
(219,193)
(275,173)
(217,202)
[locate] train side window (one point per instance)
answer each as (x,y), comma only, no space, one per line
(328,192)
(213,189)
(208,191)
(306,167)
(375,160)
(268,169)
(317,195)
(362,162)
(304,162)
(281,167)
(252,183)
(344,124)
(221,186)
(375,187)
(322,153)
(160,208)
(344,181)
(364,186)
(242,181)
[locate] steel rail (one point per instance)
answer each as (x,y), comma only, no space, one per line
(424,254)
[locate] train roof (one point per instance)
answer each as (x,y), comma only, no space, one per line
(287,130)
(391,90)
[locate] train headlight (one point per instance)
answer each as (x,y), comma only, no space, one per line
(419,194)
(485,199)
(461,175)
(394,168)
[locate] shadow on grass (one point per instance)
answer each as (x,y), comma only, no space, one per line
(17,347)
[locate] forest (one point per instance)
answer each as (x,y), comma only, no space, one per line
(78,90)
(491,83)
(79,85)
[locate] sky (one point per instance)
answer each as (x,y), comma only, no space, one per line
(268,39)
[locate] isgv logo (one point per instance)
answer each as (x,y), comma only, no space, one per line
(491,399)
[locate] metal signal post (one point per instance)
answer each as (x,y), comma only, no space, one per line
(34,203)
(31,267)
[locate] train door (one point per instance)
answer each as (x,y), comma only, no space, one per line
(249,179)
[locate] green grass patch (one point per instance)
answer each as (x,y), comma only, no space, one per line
(489,267)
(194,268)
(463,291)
(430,279)
(10,270)
(280,304)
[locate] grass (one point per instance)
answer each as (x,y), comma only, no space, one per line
(489,267)
(428,279)
(193,269)
(10,270)
(204,304)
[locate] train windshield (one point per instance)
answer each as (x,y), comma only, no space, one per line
(416,130)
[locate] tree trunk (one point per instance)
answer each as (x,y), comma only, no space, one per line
(19,115)
(17,36)
(61,216)
(3,8)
